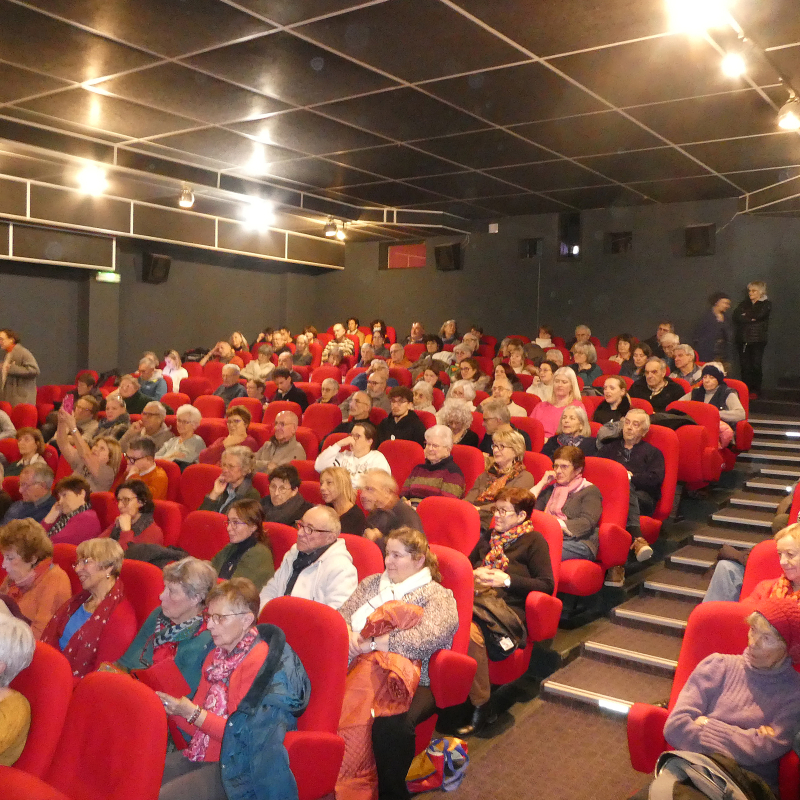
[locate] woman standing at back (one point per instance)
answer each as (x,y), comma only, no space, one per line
(751,320)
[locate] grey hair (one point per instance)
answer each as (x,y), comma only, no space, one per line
(682,348)
(640,412)
(467,386)
(555,355)
(656,360)
(333,518)
(588,349)
(580,411)
(670,338)
(162,411)
(378,365)
(498,408)
(247,458)
(41,473)
(423,387)
(441,431)
(381,478)
(231,368)
(197,577)
(583,329)
(17,647)
(329,382)
(266,350)
(190,413)
(455,414)
(462,348)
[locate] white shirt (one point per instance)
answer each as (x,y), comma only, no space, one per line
(334,456)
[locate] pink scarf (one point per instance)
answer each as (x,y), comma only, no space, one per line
(555,505)
(218,675)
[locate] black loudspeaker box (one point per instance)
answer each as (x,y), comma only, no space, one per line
(448,257)
(155,268)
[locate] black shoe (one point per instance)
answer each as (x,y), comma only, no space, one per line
(482,717)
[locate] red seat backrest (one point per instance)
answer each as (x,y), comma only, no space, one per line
(470,462)
(702,413)
(403,456)
(401,375)
(64,555)
(204,534)
(10,449)
(311,492)
(176,399)
(326,371)
(377,415)
(762,564)
(438,398)
(312,391)
(11,486)
(534,429)
(477,425)
(195,386)
(608,366)
(740,387)
(281,538)
(276,407)
(173,476)
(537,464)
(308,439)
(367,556)
(24,415)
(322,418)
(639,402)
(143,584)
(457,577)
(306,471)
(213,371)
(253,405)
(590,403)
(548,526)
(612,481)
(666,440)
(210,406)
(527,401)
(414,351)
(450,522)
(209,430)
(168,515)
(105,506)
(428,419)
(197,480)
(353,372)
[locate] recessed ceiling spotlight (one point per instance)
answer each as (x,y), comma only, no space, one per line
(258,164)
(789,115)
(734,65)
(259,214)
(330,228)
(696,16)
(92,180)
(186,200)
(340,234)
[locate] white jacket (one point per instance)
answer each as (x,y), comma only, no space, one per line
(334,456)
(330,580)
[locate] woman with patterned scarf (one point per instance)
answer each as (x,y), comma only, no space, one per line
(231,717)
(573,501)
(505,468)
(573,429)
(71,520)
(511,561)
(97,624)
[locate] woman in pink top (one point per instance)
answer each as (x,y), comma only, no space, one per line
(565,393)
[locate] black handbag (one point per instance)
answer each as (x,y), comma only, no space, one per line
(503,631)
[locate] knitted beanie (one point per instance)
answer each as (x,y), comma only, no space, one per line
(714,372)
(784,615)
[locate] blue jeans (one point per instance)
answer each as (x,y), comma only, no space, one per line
(726,582)
(576,548)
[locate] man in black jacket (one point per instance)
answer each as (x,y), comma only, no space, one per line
(287,390)
(655,387)
(402,423)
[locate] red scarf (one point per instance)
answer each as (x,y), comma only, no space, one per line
(490,492)
(496,558)
(16,590)
(81,650)
(218,675)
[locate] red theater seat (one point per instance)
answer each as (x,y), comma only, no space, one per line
(204,534)
(450,522)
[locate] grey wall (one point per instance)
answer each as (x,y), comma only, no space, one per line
(611,293)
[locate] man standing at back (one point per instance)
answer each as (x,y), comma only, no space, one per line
(18,372)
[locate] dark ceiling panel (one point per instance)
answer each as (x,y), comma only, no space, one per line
(194,25)
(762,19)
(175,88)
(16,83)
(650,165)
(752,180)
(492,148)
(395,161)
(318,172)
(598,197)
(709,187)
(466,210)
(732,155)
(524,93)
(34,40)
(224,145)
(721,116)
(287,12)
(787,60)
(589,134)
(309,132)
(547,28)
(62,125)
(283,66)
(651,71)
(520,204)
(370,35)
(402,114)
(122,117)
(465,186)
(390,194)
(549,175)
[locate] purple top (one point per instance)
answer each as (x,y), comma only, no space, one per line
(738,699)
(81,527)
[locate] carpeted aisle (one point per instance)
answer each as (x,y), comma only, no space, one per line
(552,752)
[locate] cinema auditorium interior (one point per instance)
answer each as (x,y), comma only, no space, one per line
(398,396)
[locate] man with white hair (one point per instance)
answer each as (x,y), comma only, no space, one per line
(150,426)
(655,387)
(397,357)
(376,365)
(355,409)
(339,338)
(669,341)
(319,567)
(472,341)
(151,384)
(379,493)
(685,366)
(367,355)
(502,390)
(230,388)
(282,446)
(583,334)
(286,361)
(645,466)
(439,475)
(495,414)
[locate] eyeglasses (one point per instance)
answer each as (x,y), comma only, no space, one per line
(150,414)
(497,446)
(374,383)
(130,457)
(217,618)
(237,523)
(306,528)
(279,488)
(235,421)
(83,562)
(503,512)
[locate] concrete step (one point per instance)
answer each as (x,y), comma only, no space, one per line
(779,471)
(680,582)
(692,555)
(764,483)
(629,644)
(744,539)
(786,434)
(607,685)
(782,457)
(656,609)
(739,515)
(776,443)
(755,500)
(774,421)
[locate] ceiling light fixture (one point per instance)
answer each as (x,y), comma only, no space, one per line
(330,228)
(696,16)
(340,234)
(259,214)
(789,115)
(734,65)
(92,180)
(186,200)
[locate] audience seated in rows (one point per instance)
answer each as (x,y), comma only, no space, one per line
(128,390)
(634,367)
(116,422)
(135,523)
(174,369)
(282,447)
(355,409)
(222,353)
(230,389)
(185,448)
(655,387)
(584,363)
(685,366)
(151,426)
(402,422)
(422,393)
(717,393)
(235,482)
(248,555)
(360,456)
(337,492)
(542,385)
(237,418)
(438,475)
(261,367)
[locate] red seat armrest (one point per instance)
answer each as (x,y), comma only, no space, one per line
(744,435)
(542,614)
(325,751)
(615,542)
(646,739)
(451,677)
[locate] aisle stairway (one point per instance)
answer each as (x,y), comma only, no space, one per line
(631,657)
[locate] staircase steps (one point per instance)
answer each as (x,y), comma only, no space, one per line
(637,645)
(754,500)
(607,684)
(694,555)
(744,539)
(750,517)
(764,483)
(678,581)
(784,456)
(669,611)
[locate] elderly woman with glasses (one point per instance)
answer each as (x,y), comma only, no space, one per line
(176,630)
(247,555)
(33,581)
(98,623)
(235,482)
(135,523)
(464,391)
(99,464)
(252,690)
(185,448)
(438,475)
(17,647)
(237,419)
(71,519)
(505,469)
(284,503)
(573,429)
(585,362)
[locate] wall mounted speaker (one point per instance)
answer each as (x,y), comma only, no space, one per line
(448,257)
(155,268)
